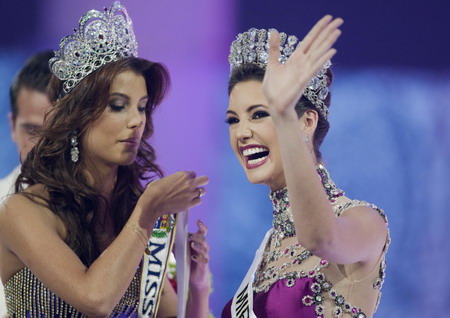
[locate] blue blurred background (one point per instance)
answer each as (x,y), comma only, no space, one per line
(389,141)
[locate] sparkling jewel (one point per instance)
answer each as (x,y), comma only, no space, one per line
(74,154)
(339,300)
(290,282)
(319,309)
(101,38)
(314,84)
(73,141)
(292,40)
(252,47)
(323,93)
(283,228)
(318,298)
(337,311)
(326,286)
(316,288)
(307,300)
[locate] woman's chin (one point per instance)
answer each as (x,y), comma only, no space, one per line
(268,178)
(255,178)
(127,161)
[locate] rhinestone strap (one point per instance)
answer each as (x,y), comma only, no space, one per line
(283,222)
(26,296)
(333,192)
(283,228)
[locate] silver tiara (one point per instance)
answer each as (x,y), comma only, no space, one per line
(101,38)
(252,47)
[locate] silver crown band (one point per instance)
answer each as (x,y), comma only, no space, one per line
(251,47)
(101,38)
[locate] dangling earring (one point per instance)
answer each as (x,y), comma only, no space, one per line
(74,152)
(305,138)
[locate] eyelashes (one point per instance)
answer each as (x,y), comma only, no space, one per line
(231,120)
(118,107)
(255,116)
(260,114)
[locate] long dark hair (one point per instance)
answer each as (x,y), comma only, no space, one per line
(70,196)
(248,72)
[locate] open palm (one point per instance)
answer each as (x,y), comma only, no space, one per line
(284,84)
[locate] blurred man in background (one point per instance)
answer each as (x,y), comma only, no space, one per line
(29,103)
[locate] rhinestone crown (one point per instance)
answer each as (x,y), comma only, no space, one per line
(101,38)
(252,47)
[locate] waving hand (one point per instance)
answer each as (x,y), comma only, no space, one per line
(284,84)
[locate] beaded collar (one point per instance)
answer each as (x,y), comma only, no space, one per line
(292,255)
(283,222)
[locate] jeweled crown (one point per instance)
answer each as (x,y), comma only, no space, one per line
(252,47)
(101,38)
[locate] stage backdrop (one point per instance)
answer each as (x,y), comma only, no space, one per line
(388,143)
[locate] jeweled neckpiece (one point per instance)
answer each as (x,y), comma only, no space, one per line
(283,222)
(251,47)
(101,38)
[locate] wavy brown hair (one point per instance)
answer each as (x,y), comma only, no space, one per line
(70,196)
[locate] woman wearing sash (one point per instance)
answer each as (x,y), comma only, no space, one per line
(72,242)
(324,256)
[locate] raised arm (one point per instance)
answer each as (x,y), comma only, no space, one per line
(358,235)
(33,236)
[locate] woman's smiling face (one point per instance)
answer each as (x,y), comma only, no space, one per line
(252,135)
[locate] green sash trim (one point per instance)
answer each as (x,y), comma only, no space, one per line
(154,265)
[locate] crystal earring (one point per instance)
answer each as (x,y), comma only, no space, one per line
(305,138)
(74,152)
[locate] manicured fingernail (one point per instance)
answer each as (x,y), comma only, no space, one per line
(194,257)
(194,245)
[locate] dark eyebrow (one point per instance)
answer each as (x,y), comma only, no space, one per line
(30,126)
(252,107)
(120,95)
(126,96)
(249,109)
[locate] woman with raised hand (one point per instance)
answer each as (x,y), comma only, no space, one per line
(325,255)
(83,236)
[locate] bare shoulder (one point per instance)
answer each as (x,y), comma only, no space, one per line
(368,218)
(370,221)
(27,229)
(346,205)
(22,210)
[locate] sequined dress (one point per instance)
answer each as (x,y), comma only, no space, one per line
(26,296)
(292,282)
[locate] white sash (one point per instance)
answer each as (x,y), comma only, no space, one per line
(242,304)
(154,267)
(183,257)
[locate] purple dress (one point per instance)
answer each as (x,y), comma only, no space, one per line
(305,286)
(281,301)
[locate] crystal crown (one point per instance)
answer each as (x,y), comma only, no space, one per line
(252,47)
(101,38)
